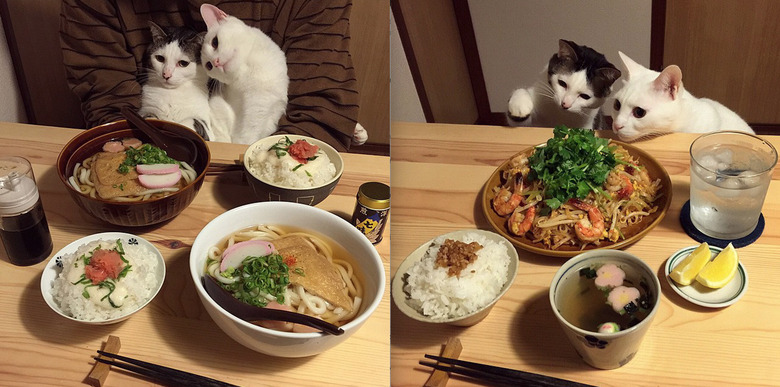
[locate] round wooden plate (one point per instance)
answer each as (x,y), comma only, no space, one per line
(636,231)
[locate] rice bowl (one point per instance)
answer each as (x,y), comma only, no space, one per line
(283,178)
(88,303)
(283,170)
(428,293)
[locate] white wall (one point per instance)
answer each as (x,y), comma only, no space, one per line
(404,101)
(516,39)
(12,107)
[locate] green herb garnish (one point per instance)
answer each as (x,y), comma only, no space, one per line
(281,146)
(260,277)
(145,154)
(572,164)
(109,284)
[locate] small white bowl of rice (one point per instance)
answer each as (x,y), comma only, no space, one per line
(79,285)
(455,278)
(292,168)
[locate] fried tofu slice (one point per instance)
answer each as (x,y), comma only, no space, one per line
(109,183)
(319,277)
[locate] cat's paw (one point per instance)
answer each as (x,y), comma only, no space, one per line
(360,136)
(520,106)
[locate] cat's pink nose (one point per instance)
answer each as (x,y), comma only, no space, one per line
(565,105)
(616,128)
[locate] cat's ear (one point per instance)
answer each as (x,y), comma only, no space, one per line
(566,50)
(610,74)
(630,66)
(212,15)
(669,82)
(157,32)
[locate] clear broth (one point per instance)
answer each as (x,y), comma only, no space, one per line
(584,306)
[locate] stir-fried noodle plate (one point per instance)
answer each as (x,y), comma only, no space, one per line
(576,192)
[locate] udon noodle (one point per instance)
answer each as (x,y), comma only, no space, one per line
(83,180)
(296,296)
(625,199)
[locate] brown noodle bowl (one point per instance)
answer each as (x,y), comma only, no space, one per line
(296,296)
(81,180)
(557,228)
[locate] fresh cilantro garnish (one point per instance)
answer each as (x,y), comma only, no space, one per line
(572,164)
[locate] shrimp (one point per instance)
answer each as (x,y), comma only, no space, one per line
(518,164)
(521,221)
(621,184)
(506,201)
(591,228)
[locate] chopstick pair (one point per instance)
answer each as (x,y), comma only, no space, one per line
(493,374)
(160,373)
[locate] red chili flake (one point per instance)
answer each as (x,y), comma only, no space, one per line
(301,151)
(289,260)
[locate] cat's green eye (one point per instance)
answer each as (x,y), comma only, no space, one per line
(214,42)
(585,96)
(639,112)
(617,105)
(160,58)
(562,84)
(183,63)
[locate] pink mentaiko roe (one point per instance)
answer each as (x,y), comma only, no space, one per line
(609,276)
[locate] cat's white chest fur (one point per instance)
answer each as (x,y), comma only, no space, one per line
(252,71)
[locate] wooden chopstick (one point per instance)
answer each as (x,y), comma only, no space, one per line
(161,373)
(495,374)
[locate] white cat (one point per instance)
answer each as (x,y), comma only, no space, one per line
(175,87)
(252,70)
(650,103)
(570,91)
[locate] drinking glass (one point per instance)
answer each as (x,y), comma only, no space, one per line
(730,175)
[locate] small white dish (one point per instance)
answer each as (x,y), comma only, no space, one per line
(400,297)
(54,268)
(702,295)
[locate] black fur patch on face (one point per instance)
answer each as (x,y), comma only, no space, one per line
(572,57)
(188,40)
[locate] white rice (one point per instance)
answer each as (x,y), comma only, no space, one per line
(434,293)
(140,282)
(265,165)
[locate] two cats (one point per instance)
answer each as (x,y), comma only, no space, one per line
(248,69)
(578,93)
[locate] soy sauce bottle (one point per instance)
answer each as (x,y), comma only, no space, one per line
(24,230)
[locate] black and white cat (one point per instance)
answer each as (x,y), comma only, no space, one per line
(175,85)
(252,71)
(570,91)
(650,104)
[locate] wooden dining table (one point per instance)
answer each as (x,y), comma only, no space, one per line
(438,171)
(38,347)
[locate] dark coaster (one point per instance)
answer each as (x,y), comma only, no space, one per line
(693,232)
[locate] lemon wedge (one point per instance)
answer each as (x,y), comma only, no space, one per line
(685,271)
(720,270)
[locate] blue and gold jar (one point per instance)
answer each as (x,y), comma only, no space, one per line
(372,209)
